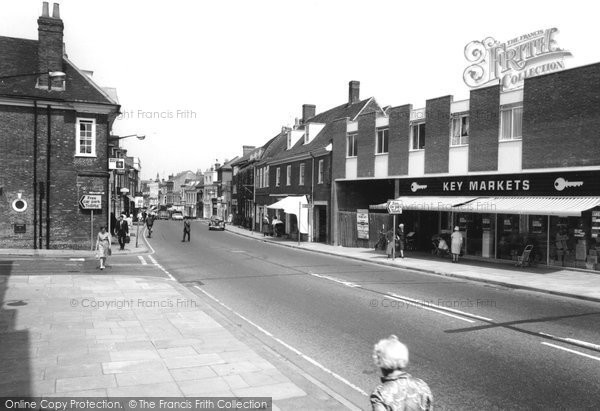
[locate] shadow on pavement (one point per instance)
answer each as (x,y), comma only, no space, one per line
(15,367)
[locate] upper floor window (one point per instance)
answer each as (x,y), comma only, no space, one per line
(352,145)
(382,141)
(320,173)
(288,176)
(266,177)
(460,131)
(277,176)
(417,136)
(511,123)
(86,137)
(301,176)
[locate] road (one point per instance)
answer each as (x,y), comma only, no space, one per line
(477,346)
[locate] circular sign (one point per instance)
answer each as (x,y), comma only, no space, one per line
(19,205)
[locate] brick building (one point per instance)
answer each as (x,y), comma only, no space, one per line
(510,169)
(293,176)
(54,127)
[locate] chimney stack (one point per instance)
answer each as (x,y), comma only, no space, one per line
(50,45)
(247,149)
(353,92)
(308,112)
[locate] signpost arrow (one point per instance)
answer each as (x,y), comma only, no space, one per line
(394,207)
(91,202)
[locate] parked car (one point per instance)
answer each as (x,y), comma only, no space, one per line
(177,215)
(216,223)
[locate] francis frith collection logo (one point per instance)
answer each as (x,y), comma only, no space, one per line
(511,62)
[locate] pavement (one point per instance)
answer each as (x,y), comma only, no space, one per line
(561,281)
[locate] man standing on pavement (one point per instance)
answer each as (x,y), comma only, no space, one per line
(122,230)
(186,229)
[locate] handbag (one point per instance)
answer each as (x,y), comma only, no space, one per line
(127,239)
(110,251)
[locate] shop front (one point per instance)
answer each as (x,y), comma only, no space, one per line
(558,214)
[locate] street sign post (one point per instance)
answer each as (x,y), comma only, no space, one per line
(91,202)
(394,207)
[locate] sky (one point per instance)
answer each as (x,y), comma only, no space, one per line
(200,79)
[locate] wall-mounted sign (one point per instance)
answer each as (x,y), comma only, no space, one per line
(511,62)
(19,228)
(595,224)
(537,225)
(362,223)
(116,163)
(575,183)
(486,224)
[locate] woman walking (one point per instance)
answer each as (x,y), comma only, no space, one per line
(456,244)
(103,246)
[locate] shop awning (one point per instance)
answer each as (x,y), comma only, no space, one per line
(429,203)
(294,205)
(560,206)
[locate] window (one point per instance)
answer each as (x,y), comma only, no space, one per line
(417,136)
(382,141)
(86,137)
(301,176)
(511,123)
(266,177)
(278,177)
(352,145)
(288,176)
(460,131)
(259,177)
(320,178)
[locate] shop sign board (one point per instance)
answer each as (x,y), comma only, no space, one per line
(116,164)
(91,202)
(575,183)
(394,207)
(511,62)
(595,224)
(139,202)
(362,223)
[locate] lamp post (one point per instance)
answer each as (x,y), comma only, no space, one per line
(44,190)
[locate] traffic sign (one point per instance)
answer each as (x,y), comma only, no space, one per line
(116,163)
(91,202)
(139,202)
(394,207)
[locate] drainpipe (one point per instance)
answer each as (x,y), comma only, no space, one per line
(48,155)
(35,184)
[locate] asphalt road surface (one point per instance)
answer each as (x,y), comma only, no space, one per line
(477,346)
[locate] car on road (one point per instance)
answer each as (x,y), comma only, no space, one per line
(216,223)
(177,215)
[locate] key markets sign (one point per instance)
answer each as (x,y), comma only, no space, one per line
(511,62)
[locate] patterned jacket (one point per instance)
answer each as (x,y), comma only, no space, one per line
(399,391)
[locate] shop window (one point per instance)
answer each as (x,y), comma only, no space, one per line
(352,145)
(511,123)
(460,131)
(381,146)
(417,136)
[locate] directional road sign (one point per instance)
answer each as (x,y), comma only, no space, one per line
(91,202)
(394,207)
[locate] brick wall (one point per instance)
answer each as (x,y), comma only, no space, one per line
(561,119)
(69,226)
(338,166)
(484,126)
(399,121)
(366,145)
(437,134)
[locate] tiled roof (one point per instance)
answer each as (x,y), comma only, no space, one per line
(20,56)
(325,135)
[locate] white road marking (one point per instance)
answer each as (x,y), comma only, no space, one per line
(426,307)
(142,260)
(346,283)
(580,343)
(572,351)
(76,259)
(161,268)
(442,308)
(289,347)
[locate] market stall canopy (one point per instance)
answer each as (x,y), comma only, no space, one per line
(558,206)
(429,203)
(294,205)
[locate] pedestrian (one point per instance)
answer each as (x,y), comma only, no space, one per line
(275,223)
(391,241)
(398,389)
(150,224)
(561,245)
(129,219)
(456,244)
(122,230)
(103,245)
(401,240)
(265,225)
(186,229)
